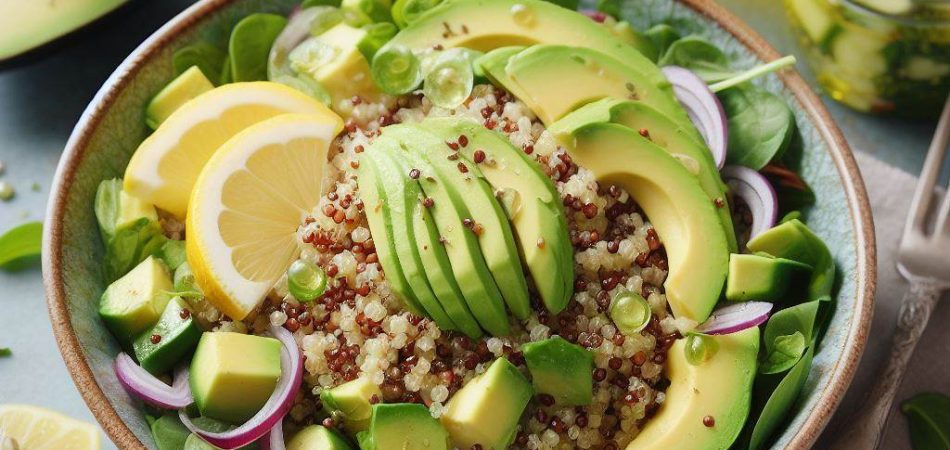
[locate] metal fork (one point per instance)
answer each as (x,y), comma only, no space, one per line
(924,260)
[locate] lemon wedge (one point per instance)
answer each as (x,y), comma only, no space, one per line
(37,428)
(164,168)
(247,204)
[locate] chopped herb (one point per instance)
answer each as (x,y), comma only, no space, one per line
(5,352)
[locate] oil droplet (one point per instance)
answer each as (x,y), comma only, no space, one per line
(523,15)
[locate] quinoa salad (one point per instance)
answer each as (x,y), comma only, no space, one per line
(459,224)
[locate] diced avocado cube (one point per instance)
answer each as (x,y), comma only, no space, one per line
(134,302)
(233,374)
(404,426)
(756,277)
(190,84)
(162,346)
(334,61)
(317,437)
(353,399)
(487,409)
(795,241)
(169,433)
(561,369)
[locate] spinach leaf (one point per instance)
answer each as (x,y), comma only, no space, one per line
(20,247)
(662,36)
(250,43)
(782,398)
(169,433)
(207,57)
(699,56)
(130,233)
(786,350)
(761,125)
(928,416)
(311,3)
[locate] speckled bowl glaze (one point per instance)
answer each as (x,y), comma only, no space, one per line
(113,125)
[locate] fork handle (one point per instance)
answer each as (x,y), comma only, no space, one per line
(865,429)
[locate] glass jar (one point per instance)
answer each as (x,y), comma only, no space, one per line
(878,56)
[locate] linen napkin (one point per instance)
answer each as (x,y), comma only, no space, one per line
(890,190)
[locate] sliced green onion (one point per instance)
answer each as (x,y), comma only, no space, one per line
(363,12)
(326,20)
(405,12)
(450,79)
(306,281)
(377,35)
(699,348)
(754,72)
(630,312)
(396,70)
(306,85)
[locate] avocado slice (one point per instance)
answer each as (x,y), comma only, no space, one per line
(499,255)
(134,302)
(435,260)
(178,334)
(663,132)
(190,84)
(373,194)
(442,181)
(232,374)
(399,195)
(719,387)
(487,409)
(675,204)
(317,437)
(557,79)
(403,426)
(485,25)
(562,370)
(31,25)
(536,214)
(493,64)
(354,400)
(757,277)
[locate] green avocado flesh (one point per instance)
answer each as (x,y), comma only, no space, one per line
(34,23)
(399,197)
(133,303)
(674,202)
(373,194)
(354,400)
(485,25)
(755,277)
(178,334)
(561,369)
(534,209)
(794,240)
(665,133)
(316,437)
(487,409)
(557,79)
(190,84)
(403,426)
(435,260)
(232,374)
(452,193)
(719,386)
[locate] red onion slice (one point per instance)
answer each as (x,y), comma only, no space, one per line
(144,386)
(596,16)
(703,108)
(737,317)
(277,406)
(274,439)
(757,193)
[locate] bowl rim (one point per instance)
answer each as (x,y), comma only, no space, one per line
(841,373)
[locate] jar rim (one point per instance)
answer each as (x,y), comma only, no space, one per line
(914,17)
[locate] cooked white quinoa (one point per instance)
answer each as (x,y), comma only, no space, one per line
(358,328)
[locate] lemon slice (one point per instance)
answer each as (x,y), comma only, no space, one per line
(38,429)
(165,166)
(247,204)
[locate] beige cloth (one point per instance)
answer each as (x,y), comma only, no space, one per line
(890,191)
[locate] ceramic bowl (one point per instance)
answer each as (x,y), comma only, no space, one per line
(112,127)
